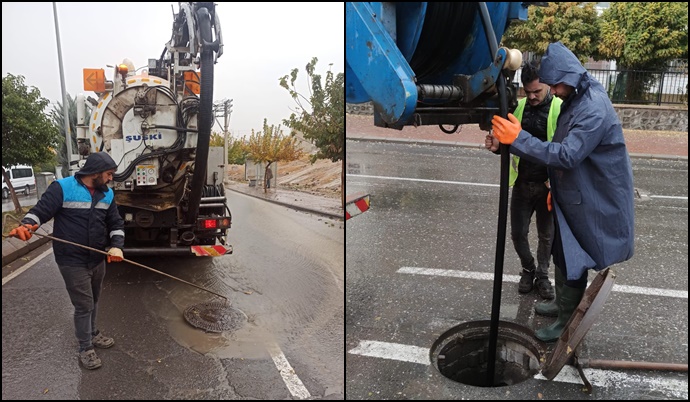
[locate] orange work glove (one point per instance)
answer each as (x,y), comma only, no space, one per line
(548,202)
(114,255)
(24,231)
(506,130)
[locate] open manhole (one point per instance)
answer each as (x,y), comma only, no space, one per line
(461,354)
(215,317)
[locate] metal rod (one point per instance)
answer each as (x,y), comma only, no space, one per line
(218,205)
(212,199)
(129,261)
(622,364)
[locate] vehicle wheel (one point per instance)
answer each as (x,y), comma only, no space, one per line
(27,190)
(5,193)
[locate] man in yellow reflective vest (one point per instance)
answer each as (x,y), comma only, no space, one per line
(539,111)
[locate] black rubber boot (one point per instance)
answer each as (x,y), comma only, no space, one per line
(550,308)
(567,300)
(544,288)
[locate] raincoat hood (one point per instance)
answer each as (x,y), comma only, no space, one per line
(560,65)
(96,163)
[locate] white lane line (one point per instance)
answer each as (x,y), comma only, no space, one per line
(392,351)
(617,379)
(26,266)
(671,197)
(424,180)
(681,294)
(599,378)
(466,183)
(293,383)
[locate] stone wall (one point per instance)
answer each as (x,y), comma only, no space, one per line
(664,118)
(359,108)
(634,117)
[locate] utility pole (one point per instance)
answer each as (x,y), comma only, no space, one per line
(224,107)
(65,103)
(228,111)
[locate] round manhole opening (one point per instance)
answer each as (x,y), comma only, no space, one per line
(461,354)
(215,317)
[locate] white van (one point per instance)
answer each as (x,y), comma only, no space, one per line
(22,179)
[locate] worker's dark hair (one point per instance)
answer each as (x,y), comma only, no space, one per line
(530,72)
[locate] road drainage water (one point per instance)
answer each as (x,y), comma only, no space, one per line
(460,354)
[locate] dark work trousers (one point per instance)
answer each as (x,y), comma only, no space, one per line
(84,288)
(528,198)
(559,261)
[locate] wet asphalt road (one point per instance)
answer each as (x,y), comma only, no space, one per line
(436,208)
(286,275)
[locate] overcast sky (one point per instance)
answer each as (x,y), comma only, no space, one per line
(262,42)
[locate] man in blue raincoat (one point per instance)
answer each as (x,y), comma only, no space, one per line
(591,180)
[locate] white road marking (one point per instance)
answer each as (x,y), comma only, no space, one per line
(472,184)
(681,294)
(294,384)
(424,180)
(597,377)
(392,351)
(671,197)
(26,266)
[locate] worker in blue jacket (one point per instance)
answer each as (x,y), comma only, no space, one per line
(85,213)
(590,174)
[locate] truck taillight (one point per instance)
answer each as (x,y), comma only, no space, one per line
(214,223)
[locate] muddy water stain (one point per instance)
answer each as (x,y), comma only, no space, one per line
(248,342)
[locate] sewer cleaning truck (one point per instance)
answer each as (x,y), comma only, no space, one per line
(156,125)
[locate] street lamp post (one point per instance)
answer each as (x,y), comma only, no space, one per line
(65,104)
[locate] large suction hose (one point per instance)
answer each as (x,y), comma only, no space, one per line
(502,206)
(205,116)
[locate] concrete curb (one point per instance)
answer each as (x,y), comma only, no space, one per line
(13,249)
(481,146)
(293,206)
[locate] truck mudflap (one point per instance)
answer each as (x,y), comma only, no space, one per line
(184,251)
(211,251)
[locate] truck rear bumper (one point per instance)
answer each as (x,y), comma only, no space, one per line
(199,251)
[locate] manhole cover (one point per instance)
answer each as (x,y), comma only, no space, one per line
(580,322)
(215,317)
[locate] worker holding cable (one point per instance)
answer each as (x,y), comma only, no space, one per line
(85,213)
(591,180)
(538,113)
